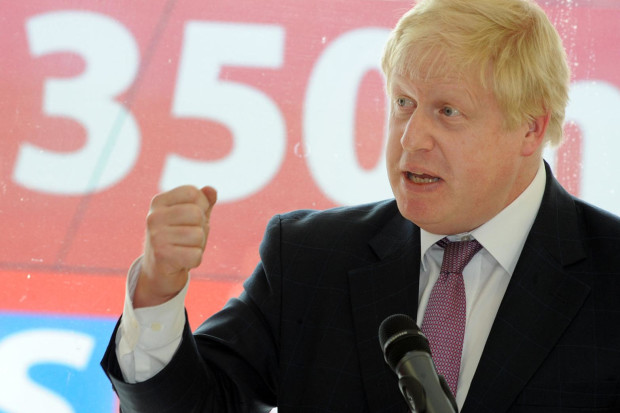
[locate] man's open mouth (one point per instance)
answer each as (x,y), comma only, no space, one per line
(421,178)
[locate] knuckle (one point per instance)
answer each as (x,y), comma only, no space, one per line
(188,192)
(155,220)
(196,235)
(197,258)
(159,199)
(151,219)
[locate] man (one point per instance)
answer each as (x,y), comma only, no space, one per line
(477,88)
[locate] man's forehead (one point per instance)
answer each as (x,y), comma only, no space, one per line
(453,79)
(415,62)
(442,67)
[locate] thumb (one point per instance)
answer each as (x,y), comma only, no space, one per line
(211,195)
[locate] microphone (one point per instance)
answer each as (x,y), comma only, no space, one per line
(408,354)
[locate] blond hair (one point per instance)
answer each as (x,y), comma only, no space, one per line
(513,41)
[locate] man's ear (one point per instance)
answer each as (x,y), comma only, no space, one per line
(535,134)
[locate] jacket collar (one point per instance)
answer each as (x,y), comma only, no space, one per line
(540,302)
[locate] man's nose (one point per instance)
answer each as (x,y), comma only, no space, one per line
(418,133)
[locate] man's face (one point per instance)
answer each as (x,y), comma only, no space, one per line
(451,163)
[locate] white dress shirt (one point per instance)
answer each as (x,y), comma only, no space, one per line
(148,337)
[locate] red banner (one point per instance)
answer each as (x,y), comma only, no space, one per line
(278,104)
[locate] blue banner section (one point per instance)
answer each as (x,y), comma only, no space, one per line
(51,364)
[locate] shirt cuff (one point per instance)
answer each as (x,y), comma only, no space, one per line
(148,337)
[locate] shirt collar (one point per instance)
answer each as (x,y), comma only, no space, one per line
(516,220)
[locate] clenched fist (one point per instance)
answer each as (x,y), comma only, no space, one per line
(177,227)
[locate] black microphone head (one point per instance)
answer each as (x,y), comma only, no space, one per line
(398,335)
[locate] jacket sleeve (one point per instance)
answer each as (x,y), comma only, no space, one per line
(230,364)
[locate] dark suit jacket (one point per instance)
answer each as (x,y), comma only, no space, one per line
(303,335)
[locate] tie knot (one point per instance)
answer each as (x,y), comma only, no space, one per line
(457,254)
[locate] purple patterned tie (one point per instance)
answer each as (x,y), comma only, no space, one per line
(444,319)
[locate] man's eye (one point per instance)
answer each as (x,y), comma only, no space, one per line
(450,111)
(403,102)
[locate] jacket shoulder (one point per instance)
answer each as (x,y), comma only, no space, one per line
(341,228)
(344,215)
(597,221)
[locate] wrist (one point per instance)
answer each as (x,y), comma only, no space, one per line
(151,292)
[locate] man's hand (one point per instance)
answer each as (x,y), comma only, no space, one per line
(177,228)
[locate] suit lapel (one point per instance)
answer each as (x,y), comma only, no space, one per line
(539,304)
(388,286)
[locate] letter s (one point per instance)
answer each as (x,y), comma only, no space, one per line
(20,351)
